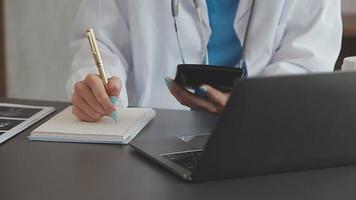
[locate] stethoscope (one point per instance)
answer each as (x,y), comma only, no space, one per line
(175,12)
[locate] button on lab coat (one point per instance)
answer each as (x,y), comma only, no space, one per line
(138,42)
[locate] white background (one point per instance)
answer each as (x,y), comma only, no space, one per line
(37,40)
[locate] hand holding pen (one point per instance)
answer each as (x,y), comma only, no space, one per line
(96,96)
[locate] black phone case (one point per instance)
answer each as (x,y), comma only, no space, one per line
(192,76)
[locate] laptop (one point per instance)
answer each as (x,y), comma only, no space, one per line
(270,125)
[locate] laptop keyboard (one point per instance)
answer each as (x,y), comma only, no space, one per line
(188,160)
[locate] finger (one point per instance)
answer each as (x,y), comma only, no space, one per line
(97,87)
(82,116)
(79,102)
(114,86)
(189,99)
(82,90)
(215,95)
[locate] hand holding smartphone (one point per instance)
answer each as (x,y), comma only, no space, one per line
(192,76)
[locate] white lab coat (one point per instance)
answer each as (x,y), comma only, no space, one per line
(138,42)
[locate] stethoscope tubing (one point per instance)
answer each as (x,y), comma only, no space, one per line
(175,13)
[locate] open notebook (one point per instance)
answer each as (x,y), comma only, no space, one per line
(65,127)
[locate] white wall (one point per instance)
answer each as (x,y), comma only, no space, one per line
(38,58)
(37,40)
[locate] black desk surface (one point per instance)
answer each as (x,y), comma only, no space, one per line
(41,170)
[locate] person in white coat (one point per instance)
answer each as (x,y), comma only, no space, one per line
(139,47)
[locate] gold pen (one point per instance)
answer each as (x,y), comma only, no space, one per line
(100,66)
(97,56)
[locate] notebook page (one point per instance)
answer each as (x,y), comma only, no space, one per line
(66,123)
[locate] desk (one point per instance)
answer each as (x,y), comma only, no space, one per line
(40,170)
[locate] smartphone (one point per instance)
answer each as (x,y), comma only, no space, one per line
(192,76)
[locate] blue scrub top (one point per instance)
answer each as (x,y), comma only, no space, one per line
(224,47)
